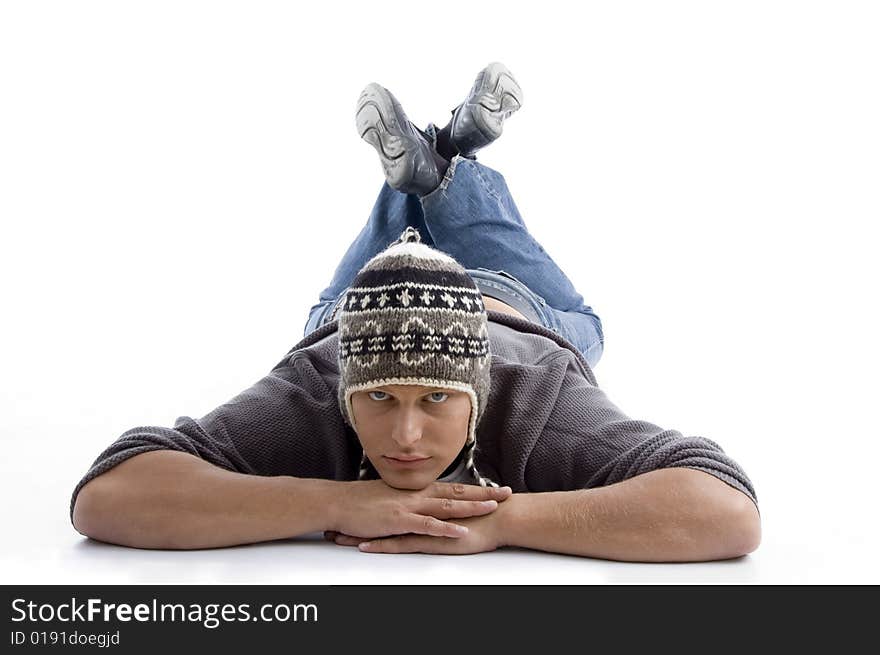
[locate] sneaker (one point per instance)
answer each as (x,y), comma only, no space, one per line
(411,165)
(479,120)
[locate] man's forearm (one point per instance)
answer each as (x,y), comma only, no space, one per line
(169,499)
(669,515)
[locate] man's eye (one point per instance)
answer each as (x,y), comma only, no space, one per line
(433,396)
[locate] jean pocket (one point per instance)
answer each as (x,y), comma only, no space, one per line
(511,277)
(521,288)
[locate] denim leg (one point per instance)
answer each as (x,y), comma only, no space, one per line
(472,201)
(392,212)
(472,216)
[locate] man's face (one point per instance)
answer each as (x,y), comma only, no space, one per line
(406,421)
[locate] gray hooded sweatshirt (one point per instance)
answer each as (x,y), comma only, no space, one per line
(547,426)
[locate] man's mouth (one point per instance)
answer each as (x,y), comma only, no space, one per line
(406,460)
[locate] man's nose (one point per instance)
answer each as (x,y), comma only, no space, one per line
(408,428)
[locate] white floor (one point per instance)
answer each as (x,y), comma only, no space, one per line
(41,547)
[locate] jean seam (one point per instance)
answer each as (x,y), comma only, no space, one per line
(515,280)
(337,303)
(489,283)
(487,187)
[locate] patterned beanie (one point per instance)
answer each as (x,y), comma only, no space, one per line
(413,315)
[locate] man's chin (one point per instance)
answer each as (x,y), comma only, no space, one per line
(415,481)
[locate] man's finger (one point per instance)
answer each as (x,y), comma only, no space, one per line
(447,508)
(348,540)
(409,544)
(459,491)
(434,527)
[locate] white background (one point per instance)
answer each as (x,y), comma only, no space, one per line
(179,179)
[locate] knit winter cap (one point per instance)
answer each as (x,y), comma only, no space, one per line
(413,315)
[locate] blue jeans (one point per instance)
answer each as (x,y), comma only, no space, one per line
(472,217)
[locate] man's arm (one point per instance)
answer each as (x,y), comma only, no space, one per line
(174,500)
(235,475)
(668,515)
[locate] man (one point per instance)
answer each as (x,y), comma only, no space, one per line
(392,423)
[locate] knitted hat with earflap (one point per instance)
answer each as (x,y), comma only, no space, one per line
(413,315)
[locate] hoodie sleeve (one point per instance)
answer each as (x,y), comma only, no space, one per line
(288,423)
(589,442)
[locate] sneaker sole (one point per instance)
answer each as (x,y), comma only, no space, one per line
(380,123)
(494,97)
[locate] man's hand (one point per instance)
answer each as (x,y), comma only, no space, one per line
(482,536)
(368,509)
